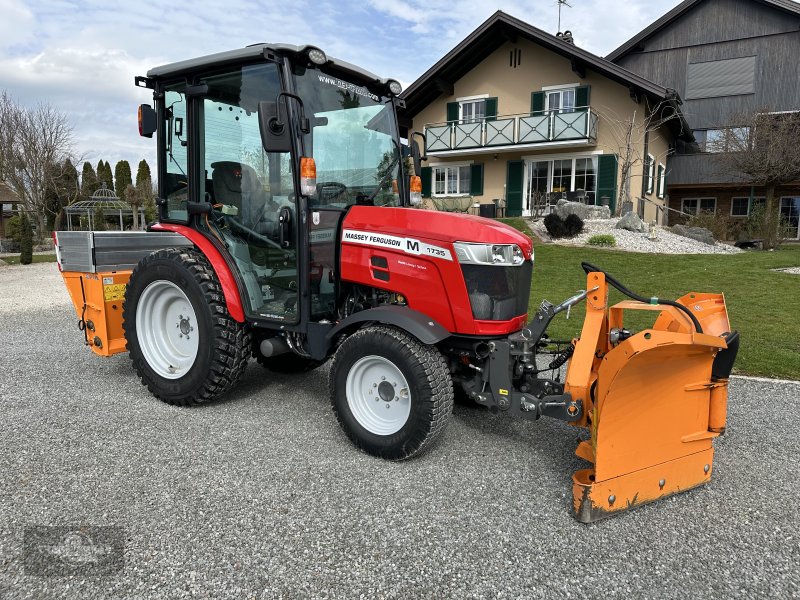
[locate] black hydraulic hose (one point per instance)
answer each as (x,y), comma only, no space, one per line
(590,268)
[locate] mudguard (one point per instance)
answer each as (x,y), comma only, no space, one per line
(422,327)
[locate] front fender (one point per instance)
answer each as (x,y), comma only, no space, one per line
(421,326)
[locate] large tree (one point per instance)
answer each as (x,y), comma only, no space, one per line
(143,173)
(104,174)
(122,177)
(763,149)
(34,144)
(89,182)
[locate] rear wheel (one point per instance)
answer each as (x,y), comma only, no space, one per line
(182,341)
(391,394)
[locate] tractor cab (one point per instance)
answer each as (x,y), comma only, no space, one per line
(263,150)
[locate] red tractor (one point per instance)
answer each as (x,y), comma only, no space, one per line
(287,231)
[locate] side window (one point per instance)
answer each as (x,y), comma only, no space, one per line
(174,186)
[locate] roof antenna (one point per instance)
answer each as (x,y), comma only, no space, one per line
(560,4)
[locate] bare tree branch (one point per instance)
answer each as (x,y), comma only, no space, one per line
(34,144)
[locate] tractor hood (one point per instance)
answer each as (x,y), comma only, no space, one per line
(434,225)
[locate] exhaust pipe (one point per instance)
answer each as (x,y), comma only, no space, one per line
(274,346)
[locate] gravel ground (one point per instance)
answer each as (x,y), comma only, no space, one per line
(666,242)
(790,270)
(261,495)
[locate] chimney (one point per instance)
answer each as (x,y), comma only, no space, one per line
(566,37)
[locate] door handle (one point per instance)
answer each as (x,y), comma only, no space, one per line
(285,221)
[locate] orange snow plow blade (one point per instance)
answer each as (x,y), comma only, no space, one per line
(654,400)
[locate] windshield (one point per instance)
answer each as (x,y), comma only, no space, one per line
(352,140)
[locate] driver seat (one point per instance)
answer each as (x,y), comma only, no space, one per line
(237,184)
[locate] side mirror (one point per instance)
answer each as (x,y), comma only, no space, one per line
(274,127)
(148,122)
(416,155)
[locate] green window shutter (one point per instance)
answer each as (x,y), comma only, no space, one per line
(537,103)
(515,170)
(476,180)
(452,112)
(659,181)
(607,180)
(491,109)
(582,95)
(427,176)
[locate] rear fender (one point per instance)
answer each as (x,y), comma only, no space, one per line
(230,290)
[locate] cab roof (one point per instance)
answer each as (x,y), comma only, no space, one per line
(254,52)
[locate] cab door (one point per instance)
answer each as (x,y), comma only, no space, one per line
(251,190)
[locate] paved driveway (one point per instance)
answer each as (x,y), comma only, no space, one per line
(262,496)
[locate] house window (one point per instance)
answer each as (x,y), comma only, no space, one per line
(790,216)
(560,101)
(662,178)
(694,206)
(562,175)
(471,111)
(744,206)
(722,140)
(571,178)
(649,170)
(451,180)
(584,174)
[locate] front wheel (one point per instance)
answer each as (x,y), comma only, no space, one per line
(391,394)
(184,345)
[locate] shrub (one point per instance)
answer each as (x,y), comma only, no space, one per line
(604,239)
(14,228)
(559,228)
(720,226)
(574,225)
(555,225)
(26,241)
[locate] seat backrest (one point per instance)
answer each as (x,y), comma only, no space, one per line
(237,184)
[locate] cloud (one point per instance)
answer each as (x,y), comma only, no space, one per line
(81,55)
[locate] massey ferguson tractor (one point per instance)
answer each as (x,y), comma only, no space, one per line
(288,232)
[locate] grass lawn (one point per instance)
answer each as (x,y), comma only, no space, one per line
(762,305)
(37,258)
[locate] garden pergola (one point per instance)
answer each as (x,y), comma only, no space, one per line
(104,199)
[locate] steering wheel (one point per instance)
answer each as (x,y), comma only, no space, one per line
(250,235)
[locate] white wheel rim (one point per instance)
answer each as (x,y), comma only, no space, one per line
(378,395)
(166,328)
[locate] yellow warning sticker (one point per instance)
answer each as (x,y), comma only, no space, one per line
(114,292)
(503,392)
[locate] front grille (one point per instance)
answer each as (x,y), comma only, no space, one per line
(498,293)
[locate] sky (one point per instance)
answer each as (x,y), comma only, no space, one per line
(81,56)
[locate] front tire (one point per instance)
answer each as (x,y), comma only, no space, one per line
(391,394)
(184,345)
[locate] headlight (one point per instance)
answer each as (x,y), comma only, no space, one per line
(489,254)
(395,87)
(316,56)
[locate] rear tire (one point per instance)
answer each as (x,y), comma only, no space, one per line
(184,345)
(391,394)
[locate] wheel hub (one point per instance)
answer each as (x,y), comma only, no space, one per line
(386,391)
(164,317)
(378,395)
(184,325)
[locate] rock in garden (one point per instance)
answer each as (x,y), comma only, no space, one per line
(700,234)
(564,208)
(631,222)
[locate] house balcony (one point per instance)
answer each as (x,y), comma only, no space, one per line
(512,132)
